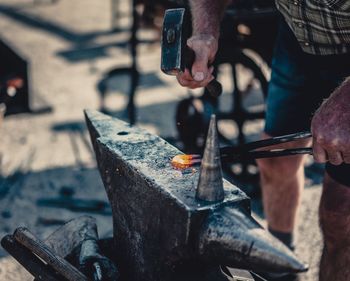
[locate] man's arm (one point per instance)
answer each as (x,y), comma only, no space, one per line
(206,18)
(331,127)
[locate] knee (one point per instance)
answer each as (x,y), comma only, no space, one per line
(335,215)
(283,168)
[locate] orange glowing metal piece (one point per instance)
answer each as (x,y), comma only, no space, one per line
(184,161)
(15,82)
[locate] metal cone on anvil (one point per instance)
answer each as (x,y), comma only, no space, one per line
(232,237)
(210,184)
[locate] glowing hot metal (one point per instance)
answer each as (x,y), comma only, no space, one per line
(184,161)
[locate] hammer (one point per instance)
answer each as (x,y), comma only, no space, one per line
(176,55)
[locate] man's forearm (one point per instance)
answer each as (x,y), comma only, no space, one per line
(206,16)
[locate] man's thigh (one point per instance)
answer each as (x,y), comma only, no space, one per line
(295,89)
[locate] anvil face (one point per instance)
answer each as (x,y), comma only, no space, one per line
(174,36)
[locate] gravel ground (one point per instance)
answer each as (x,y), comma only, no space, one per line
(69,45)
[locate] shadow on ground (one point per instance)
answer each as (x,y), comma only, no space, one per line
(26,197)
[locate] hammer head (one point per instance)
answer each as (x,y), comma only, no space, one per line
(176,30)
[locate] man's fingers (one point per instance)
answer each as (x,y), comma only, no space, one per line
(187,75)
(200,69)
(319,153)
(334,157)
(192,84)
(186,80)
(204,83)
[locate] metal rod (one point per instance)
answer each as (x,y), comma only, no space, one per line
(29,261)
(28,240)
(267,154)
(264,143)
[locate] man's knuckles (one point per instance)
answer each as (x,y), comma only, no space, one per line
(330,142)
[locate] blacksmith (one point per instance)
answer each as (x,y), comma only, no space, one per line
(309,87)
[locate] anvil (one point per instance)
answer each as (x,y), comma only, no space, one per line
(176,55)
(162,229)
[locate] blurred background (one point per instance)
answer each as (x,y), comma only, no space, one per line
(58,57)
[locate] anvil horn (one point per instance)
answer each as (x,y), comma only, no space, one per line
(232,237)
(210,184)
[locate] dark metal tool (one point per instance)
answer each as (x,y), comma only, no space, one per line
(91,262)
(39,248)
(250,150)
(176,55)
(69,254)
(210,184)
(233,153)
(30,261)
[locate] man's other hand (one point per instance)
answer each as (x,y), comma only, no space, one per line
(331,128)
(205,47)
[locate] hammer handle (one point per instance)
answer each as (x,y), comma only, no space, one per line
(214,87)
(28,240)
(28,260)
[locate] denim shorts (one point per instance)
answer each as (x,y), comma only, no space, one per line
(299,83)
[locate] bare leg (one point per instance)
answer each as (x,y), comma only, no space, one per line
(282,181)
(335,224)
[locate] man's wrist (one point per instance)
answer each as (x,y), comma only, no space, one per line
(204,36)
(205,33)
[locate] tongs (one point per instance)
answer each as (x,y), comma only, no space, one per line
(249,151)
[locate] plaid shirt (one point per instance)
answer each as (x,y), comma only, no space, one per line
(322,27)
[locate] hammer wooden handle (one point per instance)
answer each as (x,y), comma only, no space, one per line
(214,87)
(28,240)
(30,262)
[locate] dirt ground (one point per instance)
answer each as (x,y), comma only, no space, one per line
(70,45)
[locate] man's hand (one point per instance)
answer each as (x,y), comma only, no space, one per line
(205,47)
(331,128)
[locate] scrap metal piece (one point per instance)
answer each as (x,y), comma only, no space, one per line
(64,240)
(45,260)
(210,184)
(232,237)
(159,225)
(91,262)
(235,274)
